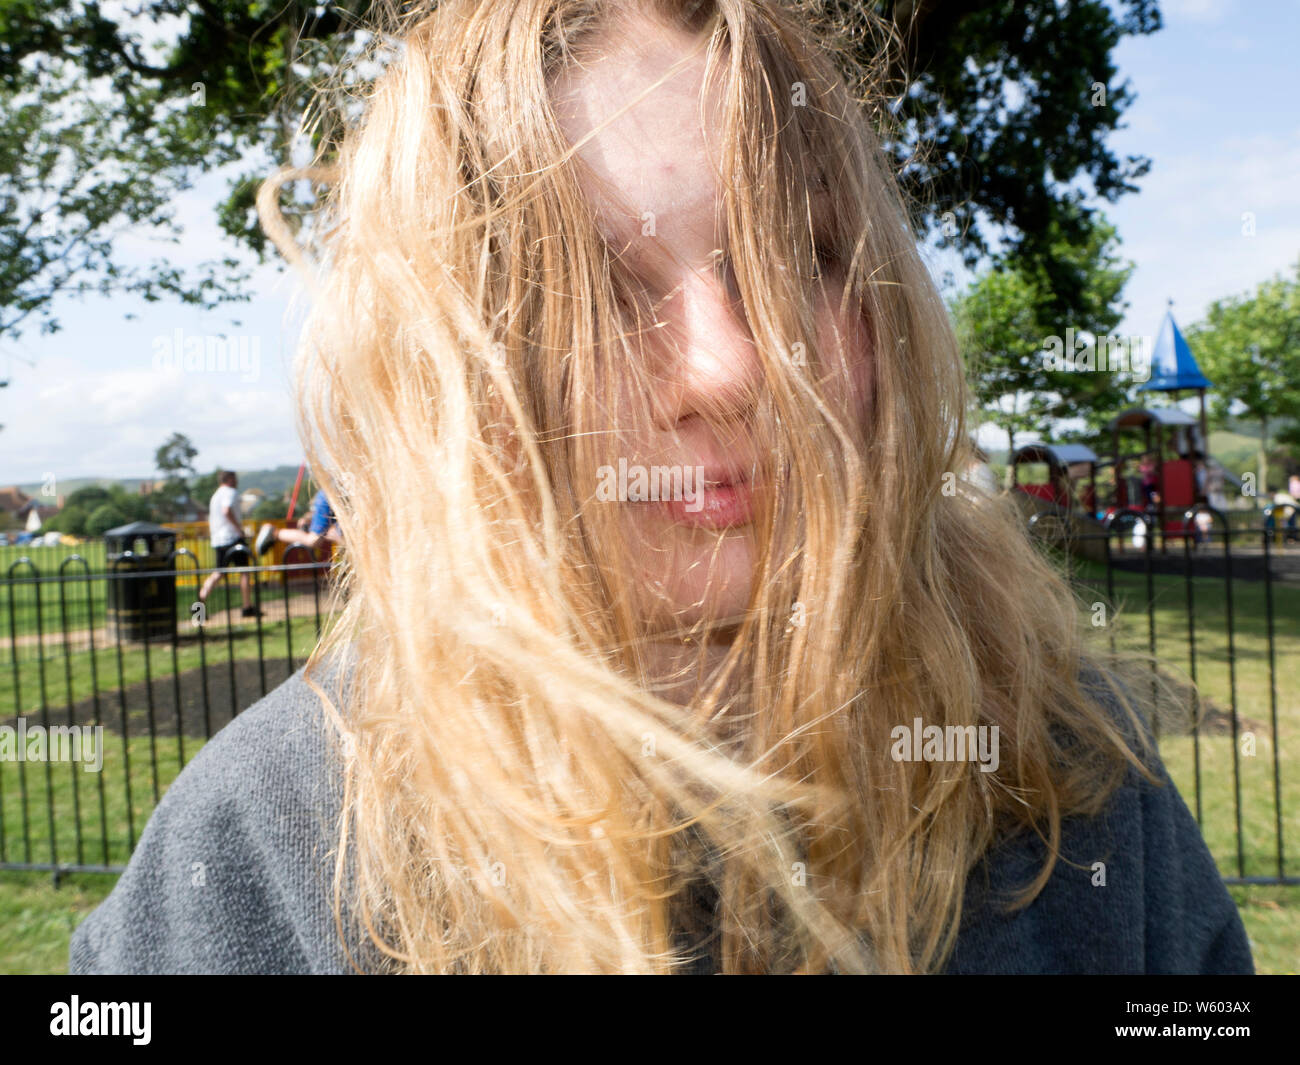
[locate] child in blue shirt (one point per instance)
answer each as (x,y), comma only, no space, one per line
(320,524)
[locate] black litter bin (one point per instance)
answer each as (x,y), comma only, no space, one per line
(142,582)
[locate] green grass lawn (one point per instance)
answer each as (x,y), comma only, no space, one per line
(37,921)
(62,675)
(1260,693)
(48,559)
(1272,919)
(92,808)
(91,827)
(93,822)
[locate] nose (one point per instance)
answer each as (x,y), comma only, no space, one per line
(708,364)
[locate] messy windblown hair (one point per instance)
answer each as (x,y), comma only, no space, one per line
(518,797)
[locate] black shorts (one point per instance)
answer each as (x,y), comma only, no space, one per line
(241,558)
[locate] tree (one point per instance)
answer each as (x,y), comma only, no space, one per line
(104,517)
(998,327)
(269,509)
(1249,346)
(77,507)
(204,486)
(1099,275)
(1002,108)
(174,459)
(78,516)
(71,520)
(1006,106)
(1026,366)
(89,496)
(1288,438)
(81,162)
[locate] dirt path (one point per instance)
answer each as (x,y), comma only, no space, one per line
(222,699)
(300,606)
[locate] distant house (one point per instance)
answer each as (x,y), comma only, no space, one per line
(17,508)
(33,514)
(12,500)
(182,509)
(188,510)
(249,498)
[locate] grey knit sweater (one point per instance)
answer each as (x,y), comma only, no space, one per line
(233,874)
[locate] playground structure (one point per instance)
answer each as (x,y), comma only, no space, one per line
(1176,442)
(1151,489)
(1162,491)
(193,536)
(1055,486)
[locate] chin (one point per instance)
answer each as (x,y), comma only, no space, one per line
(695,577)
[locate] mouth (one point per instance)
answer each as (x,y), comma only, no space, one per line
(715,506)
(723,498)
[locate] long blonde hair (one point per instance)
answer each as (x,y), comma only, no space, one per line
(518,797)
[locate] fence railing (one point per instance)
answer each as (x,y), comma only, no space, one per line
(114,675)
(1218,609)
(1216,606)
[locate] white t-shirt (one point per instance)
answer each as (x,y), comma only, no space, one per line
(219,526)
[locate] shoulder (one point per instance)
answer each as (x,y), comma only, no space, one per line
(233,872)
(1134,890)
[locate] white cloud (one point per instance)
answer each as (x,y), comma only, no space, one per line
(1207,11)
(1185,228)
(79,422)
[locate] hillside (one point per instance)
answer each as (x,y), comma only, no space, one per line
(274,482)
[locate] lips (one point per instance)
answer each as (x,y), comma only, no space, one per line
(723,499)
(716,506)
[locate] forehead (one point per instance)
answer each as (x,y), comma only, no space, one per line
(656,130)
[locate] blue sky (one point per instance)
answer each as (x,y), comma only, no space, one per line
(1216,111)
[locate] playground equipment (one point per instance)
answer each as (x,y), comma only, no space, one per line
(1174,369)
(1158,484)
(1055,486)
(1070,483)
(1166,485)
(297,484)
(298,553)
(1174,443)
(1149,488)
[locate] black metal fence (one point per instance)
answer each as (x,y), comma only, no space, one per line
(1215,604)
(1219,612)
(117,669)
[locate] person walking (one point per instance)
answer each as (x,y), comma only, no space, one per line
(226,528)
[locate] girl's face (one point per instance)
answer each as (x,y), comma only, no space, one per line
(652,177)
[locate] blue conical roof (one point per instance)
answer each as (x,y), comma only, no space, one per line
(1173,367)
